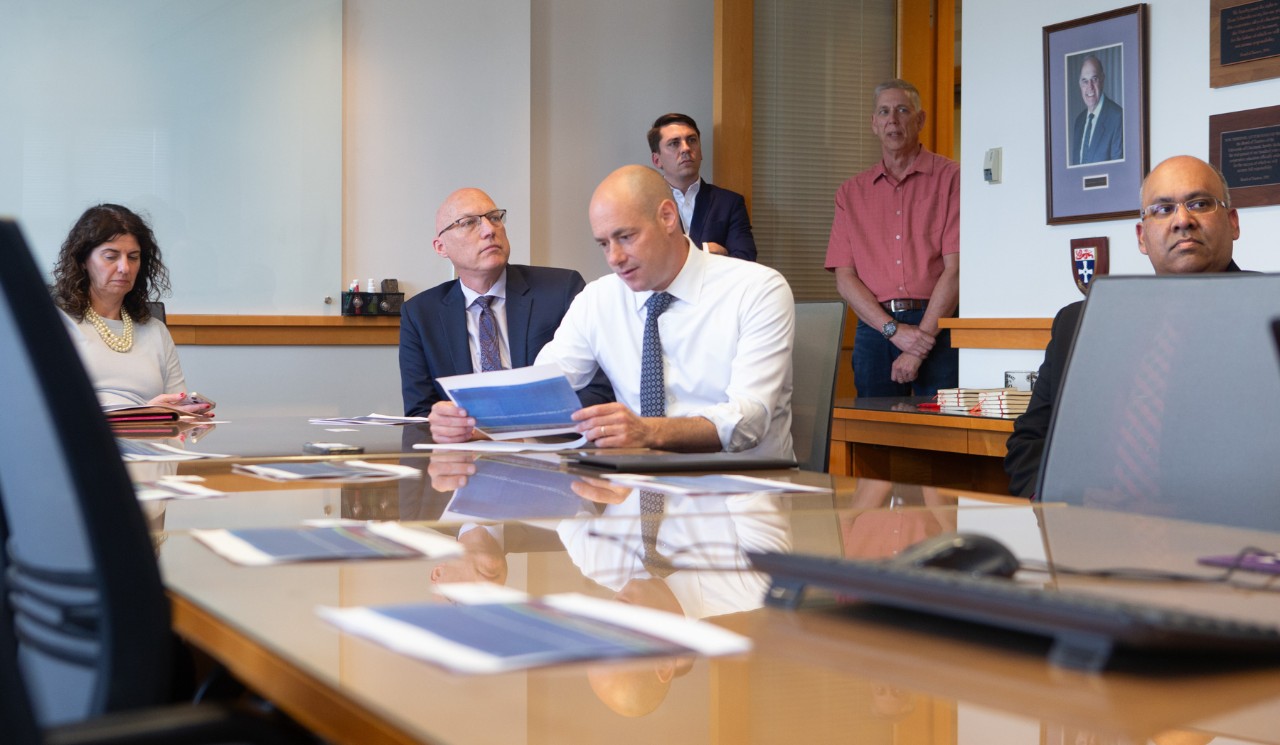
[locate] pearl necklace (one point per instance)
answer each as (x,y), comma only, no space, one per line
(113,342)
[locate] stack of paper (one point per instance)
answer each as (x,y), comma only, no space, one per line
(1004,402)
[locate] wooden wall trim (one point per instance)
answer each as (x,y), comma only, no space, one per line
(233,330)
(733,58)
(926,59)
(998,333)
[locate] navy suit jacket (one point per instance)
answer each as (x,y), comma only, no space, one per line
(1107,142)
(433,332)
(720,216)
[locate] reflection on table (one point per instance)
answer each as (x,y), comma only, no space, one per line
(819,675)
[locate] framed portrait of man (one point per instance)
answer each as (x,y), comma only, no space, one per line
(1095,116)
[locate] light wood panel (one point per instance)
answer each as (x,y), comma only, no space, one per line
(998,333)
(733,81)
(926,59)
(233,330)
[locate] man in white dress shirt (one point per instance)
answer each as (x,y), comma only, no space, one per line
(724,334)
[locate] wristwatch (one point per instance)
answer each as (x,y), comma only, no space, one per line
(889,329)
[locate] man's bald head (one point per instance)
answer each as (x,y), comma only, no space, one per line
(477,248)
(456,205)
(640,186)
(637,224)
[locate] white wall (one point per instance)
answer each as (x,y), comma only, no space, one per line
(602,72)
(1012,263)
(436,97)
(295,381)
(220,122)
(533,101)
(536,109)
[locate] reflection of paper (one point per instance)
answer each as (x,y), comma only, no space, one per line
(493,637)
(152,491)
(710,484)
(143,450)
(500,490)
(347,470)
(480,592)
(263,546)
(494,446)
(381,419)
(524,402)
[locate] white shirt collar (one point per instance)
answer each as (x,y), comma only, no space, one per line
(1102,98)
(685,202)
(687,284)
(499,289)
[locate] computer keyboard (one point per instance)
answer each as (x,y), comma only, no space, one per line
(1085,628)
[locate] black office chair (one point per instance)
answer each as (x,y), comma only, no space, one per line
(85,617)
(815,362)
(157,310)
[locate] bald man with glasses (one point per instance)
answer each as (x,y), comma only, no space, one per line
(1188,226)
(495,315)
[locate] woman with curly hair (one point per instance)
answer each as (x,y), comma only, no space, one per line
(108,269)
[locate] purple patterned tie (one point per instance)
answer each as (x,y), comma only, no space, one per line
(490,350)
(653,390)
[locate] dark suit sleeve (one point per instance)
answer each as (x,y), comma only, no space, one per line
(739,240)
(417,384)
(1026,444)
(720,216)
(599,390)
(1117,136)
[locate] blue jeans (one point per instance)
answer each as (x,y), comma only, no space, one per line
(873,357)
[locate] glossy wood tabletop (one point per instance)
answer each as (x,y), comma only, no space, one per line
(821,674)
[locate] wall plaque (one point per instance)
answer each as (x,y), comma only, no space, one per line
(1244,41)
(1245,146)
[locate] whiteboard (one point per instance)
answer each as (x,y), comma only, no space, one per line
(220,120)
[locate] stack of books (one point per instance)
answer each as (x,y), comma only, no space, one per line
(1003,402)
(983,401)
(960,400)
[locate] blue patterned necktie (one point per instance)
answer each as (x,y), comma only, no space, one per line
(653,389)
(652,508)
(490,350)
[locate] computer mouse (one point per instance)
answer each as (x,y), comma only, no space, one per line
(970,553)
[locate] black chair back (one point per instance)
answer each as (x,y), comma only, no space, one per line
(82,587)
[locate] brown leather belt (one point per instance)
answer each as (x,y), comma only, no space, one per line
(908,303)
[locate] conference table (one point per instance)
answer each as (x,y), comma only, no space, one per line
(829,672)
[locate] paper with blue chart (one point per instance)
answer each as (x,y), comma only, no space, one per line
(509,404)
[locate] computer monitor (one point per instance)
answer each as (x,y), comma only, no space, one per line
(78,559)
(1170,401)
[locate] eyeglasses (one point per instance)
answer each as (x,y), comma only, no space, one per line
(1197,206)
(471,222)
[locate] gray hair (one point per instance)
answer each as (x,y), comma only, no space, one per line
(901,85)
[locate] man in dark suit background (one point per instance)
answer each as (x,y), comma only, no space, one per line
(1098,132)
(442,329)
(1188,226)
(715,219)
